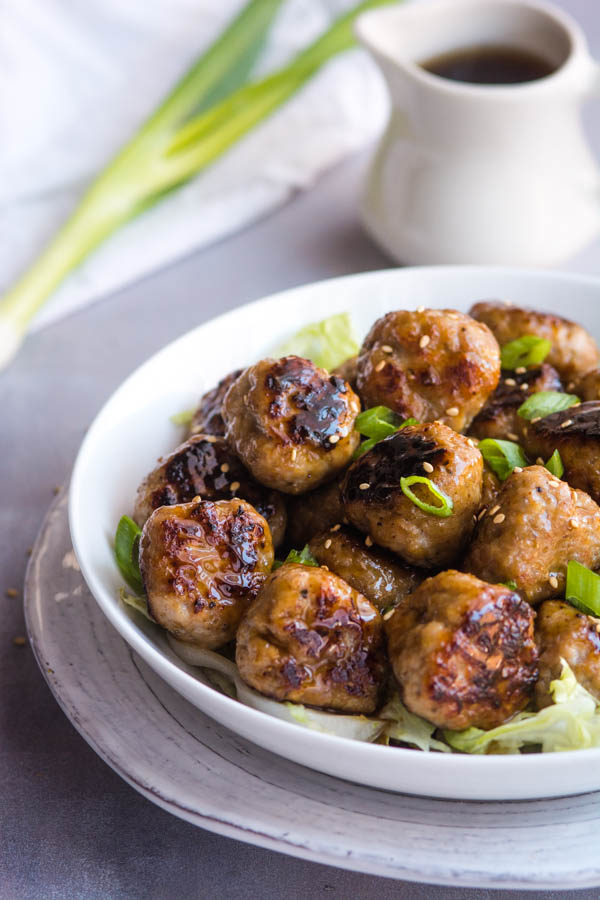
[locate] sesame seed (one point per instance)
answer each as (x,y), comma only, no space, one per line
(368,541)
(453,315)
(380,365)
(12,592)
(539,461)
(452,411)
(335,528)
(424,341)
(520,370)
(499,519)
(197,499)
(294,453)
(428,467)
(553,581)
(524,386)
(225,467)
(388,615)
(494,509)
(420,309)
(386,348)
(328,543)
(210,439)
(19,641)
(334,438)
(570,385)
(470,442)
(364,486)
(566,423)
(536,419)
(512,436)
(517,469)
(482,513)
(573,523)
(234,486)
(325,567)
(510,382)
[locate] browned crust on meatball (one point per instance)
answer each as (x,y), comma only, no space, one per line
(205,466)
(574,351)
(587,387)
(375,504)
(291,423)
(563,632)
(201,564)
(311,512)
(311,638)
(499,417)
(536,526)
(463,651)
(428,363)
(207,418)
(575,433)
(374,572)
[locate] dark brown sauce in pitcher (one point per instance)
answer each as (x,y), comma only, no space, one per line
(489,65)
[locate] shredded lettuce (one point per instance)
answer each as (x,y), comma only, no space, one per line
(138,603)
(327,343)
(402,725)
(571,723)
(183,418)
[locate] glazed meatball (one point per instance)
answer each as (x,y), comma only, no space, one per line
(490,488)
(205,466)
(430,364)
(377,574)
(573,352)
(312,512)
(575,433)
(588,387)
(207,418)
(201,564)
(499,418)
(375,503)
(311,638)
(347,371)
(537,525)
(562,632)
(291,423)
(463,651)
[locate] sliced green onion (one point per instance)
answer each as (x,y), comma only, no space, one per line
(183,418)
(127,545)
(555,465)
(528,350)
(544,403)
(583,588)
(446,507)
(511,585)
(502,456)
(377,423)
(304,557)
(138,603)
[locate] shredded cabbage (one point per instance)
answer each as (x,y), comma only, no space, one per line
(327,343)
(402,725)
(571,723)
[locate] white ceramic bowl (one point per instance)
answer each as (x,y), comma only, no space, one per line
(134,428)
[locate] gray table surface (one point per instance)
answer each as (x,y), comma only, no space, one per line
(69,827)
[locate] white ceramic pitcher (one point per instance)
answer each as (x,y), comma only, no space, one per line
(469,173)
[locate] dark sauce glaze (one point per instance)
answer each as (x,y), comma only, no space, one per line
(584,421)
(398,456)
(312,406)
(207,418)
(511,396)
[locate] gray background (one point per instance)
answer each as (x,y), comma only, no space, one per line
(69,827)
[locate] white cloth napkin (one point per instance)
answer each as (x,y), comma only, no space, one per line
(79,76)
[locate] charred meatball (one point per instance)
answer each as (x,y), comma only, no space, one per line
(291,423)
(588,387)
(207,418)
(347,371)
(575,433)
(205,466)
(536,526)
(312,512)
(463,651)
(201,564)
(376,504)
(377,574)
(430,364)
(573,352)
(311,638)
(562,632)
(499,418)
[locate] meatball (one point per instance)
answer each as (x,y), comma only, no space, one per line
(573,352)
(311,638)
(430,364)
(201,564)
(490,488)
(575,433)
(207,418)
(463,651)
(377,574)
(313,512)
(347,371)
(562,632)
(291,423)
(588,387)
(499,418)
(536,526)
(205,466)
(376,504)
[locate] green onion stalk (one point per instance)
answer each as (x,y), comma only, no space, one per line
(208,111)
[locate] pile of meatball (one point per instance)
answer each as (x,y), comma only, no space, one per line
(461,614)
